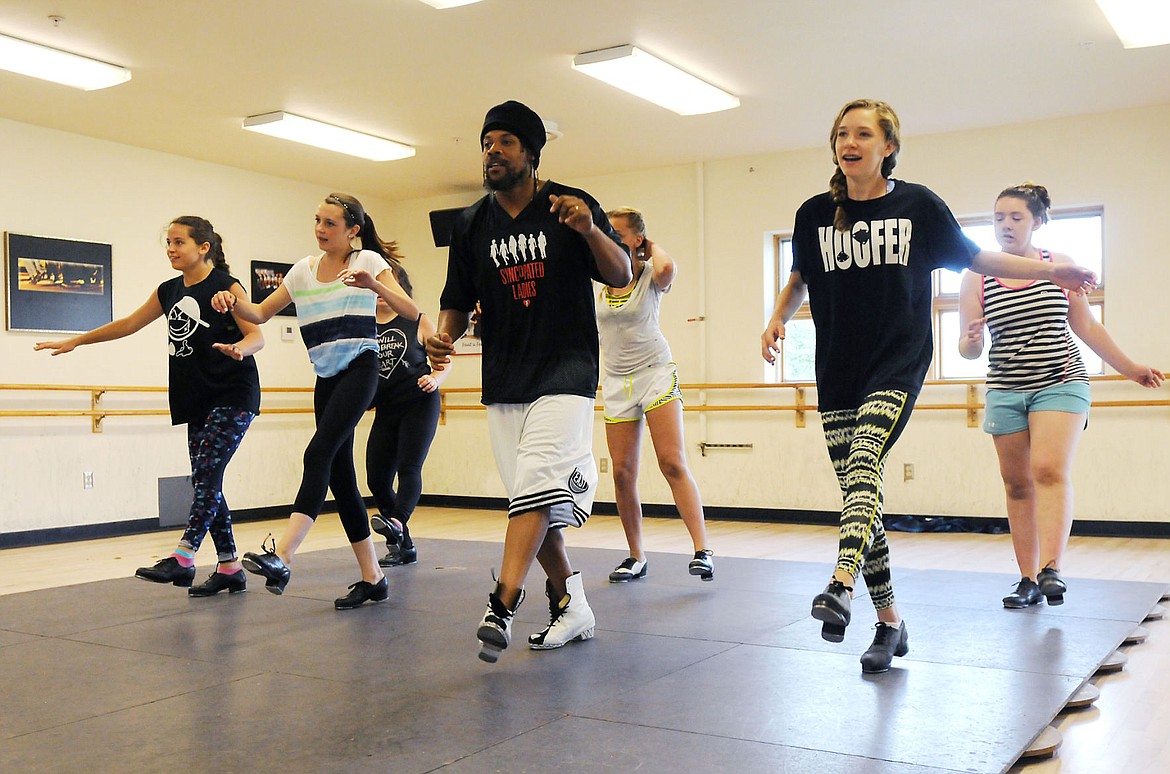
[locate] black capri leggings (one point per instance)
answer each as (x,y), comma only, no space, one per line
(399,441)
(338,404)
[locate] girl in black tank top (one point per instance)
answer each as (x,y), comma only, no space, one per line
(406,416)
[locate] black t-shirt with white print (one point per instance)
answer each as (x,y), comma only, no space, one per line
(870,288)
(402,360)
(201,377)
(533,277)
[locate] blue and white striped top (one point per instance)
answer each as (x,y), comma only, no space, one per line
(1032,347)
(337,320)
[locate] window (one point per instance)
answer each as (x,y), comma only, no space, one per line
(1077,233)
(796,361)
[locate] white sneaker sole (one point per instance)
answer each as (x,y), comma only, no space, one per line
(585,635)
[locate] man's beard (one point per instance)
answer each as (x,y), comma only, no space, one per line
(509,181)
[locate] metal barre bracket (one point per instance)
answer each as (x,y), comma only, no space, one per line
(704,446)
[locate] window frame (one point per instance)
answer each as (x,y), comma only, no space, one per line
(774,374)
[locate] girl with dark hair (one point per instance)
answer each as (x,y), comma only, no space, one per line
(335,311)
(870,297)
(214,390)
(405,420)
(1037,389)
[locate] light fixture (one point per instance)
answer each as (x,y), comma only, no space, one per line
(448,3)
(552,131)
(50,64)
(335,138)
(1139,23)
(631,69)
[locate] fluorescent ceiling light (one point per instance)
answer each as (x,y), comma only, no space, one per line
(305,130)
(1139,23)
(50,64)
(448,3)
(631,69)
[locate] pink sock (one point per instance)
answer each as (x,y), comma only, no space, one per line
(184,556)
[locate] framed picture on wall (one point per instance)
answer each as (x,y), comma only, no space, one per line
(470,343)
(57,285)
(266,278)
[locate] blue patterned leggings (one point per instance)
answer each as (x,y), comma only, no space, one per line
(858,441)
(211,445)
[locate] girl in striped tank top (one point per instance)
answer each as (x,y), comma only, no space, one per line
(1037,390)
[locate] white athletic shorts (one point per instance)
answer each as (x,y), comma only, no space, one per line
(544,452)
(628,398)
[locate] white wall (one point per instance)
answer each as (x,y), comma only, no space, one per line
(712,217)
(62,185)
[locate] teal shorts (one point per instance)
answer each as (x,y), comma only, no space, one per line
(1007,410)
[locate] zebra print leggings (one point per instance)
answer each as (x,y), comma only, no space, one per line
(858,441)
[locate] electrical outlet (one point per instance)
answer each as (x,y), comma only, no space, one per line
(87,480)
(908,471)
(605,464)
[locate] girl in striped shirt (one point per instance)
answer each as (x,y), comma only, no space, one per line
(1037,390)
(336,313)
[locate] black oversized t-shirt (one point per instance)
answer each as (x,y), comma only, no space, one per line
(533,277)
(870,288)
(202,378)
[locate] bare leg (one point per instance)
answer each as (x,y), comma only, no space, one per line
(524,538)
(625,447)
(554,560)
(666,433)
(294,534)
(1054,440)
(1015,467)
(367,559)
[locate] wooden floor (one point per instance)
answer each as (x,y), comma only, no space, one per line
(1126,730)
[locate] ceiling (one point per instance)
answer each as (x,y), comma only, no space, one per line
(403,70)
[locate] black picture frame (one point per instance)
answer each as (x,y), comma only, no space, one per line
(266,278)
(57,285)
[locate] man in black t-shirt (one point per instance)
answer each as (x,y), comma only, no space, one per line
(527,253)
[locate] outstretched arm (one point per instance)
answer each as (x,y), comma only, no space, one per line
(1093,333)
(789,300)
(385,286)
(1067,275)
(117,329)
(253,340)
(225,301)
(613,262)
